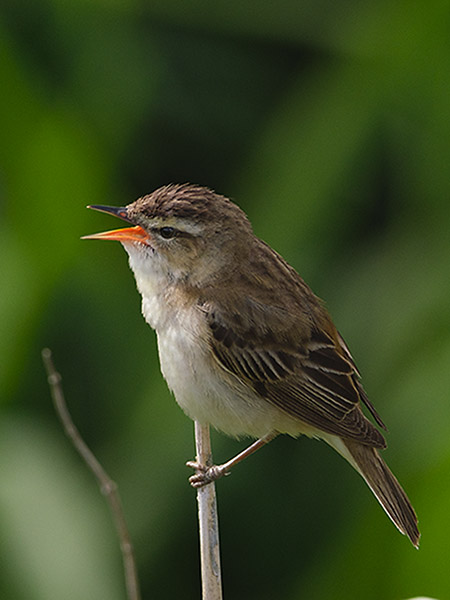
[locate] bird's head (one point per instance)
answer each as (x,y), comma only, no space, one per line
(181,233)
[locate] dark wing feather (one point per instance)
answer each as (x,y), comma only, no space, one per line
(361,391)
(314,380)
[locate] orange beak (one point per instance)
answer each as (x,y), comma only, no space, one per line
(128,234)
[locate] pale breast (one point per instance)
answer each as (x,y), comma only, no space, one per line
(205,391)
(202,387)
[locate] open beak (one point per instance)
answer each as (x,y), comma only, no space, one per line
(128,234)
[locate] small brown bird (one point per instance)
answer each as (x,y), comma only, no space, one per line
(244,344)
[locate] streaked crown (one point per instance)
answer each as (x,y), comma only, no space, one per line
(189,204)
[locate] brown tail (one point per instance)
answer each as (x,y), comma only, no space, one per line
(386,488)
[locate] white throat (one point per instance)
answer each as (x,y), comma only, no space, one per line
(153,281)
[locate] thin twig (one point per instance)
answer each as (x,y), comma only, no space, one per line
(208,521)
(107,486)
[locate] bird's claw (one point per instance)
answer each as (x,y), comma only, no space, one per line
(205,474)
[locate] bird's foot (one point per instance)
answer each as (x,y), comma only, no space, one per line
(205,474)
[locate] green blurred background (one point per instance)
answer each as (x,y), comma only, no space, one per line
(329,123)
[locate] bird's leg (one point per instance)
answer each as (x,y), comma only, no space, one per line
(207,473)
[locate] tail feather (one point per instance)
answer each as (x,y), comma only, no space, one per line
(385,487)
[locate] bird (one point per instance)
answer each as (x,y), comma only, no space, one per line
(244,344)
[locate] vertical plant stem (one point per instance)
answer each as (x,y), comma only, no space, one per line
(208,522)
(107,486)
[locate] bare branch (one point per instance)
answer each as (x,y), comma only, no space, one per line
(107,486)
(208,521)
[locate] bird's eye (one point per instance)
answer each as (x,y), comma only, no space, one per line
(167,232)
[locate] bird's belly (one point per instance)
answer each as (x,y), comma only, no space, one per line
(208,394)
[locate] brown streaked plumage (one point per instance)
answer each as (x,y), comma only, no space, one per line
(244,343)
